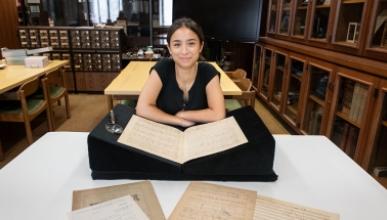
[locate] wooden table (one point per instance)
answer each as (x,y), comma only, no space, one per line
(13,76)
(131,80)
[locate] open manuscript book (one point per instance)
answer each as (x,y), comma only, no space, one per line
(181,146)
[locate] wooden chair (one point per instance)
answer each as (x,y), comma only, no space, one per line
(237,74)
(248,92)
(246,98)
(56,91)
(21,105)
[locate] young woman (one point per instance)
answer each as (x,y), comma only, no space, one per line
(182,91)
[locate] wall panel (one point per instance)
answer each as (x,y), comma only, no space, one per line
(8,24)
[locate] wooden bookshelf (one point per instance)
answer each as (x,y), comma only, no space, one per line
(318,37)
(346,118)
(353,1)
(317,100)
(296,77)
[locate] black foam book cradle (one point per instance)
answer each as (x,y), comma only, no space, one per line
(252,161)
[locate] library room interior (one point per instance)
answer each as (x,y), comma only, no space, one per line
(193,109)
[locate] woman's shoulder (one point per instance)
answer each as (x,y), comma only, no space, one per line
(165,62)
(207,71)
(164,67)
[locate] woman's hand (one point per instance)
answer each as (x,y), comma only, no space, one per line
(183,122)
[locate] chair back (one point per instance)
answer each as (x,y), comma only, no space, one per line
(244,84)
(30,87)
(237,74)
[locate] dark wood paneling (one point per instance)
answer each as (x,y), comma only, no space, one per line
(8,24)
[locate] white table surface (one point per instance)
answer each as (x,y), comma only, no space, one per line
(312,171)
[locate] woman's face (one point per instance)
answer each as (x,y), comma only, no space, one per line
(185,47)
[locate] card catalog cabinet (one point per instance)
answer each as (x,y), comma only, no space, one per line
(94,53)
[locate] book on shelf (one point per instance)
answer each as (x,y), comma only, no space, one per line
(351,141)
(181,146)
(358,102)
(344,135)
(315,121)
(348,87)
(362,102)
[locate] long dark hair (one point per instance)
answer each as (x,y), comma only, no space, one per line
(188,23)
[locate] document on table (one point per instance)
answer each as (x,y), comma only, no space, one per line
(175,145)
(142,192)
(271,209)
(210,201)
(117,209)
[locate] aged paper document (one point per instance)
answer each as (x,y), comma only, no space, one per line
(116,209)
(210,201)
(271,209)
(173,144)
(142,192)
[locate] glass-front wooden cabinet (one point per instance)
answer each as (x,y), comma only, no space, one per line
(264,76)
(277,81)
(321,15)
(256,64)
(349,22)
(285,15)
(272,16)
(293,89)
(300,18)
(375,158)
(317,96)
(354,92)
(379,31)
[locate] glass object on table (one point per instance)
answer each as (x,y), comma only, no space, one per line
(112,125)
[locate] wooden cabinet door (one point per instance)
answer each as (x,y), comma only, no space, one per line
(257,62)
(272,16)
(376,43)
(321,20)
(349,25)
(376,148)
(285,15)
(300,19)
(264,76)
(317,98)
(350,112)
(277,80)
(293,90)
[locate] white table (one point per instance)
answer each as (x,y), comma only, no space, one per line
(312,171)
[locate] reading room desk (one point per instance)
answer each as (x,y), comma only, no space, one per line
(132,78)
(13,76)
(312,171)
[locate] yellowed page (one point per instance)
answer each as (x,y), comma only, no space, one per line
(142,192)
(210,201)
(116,209)
(271,209)
(155,138)
(212,138)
